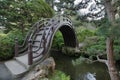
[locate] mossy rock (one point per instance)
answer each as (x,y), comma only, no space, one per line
(71,51)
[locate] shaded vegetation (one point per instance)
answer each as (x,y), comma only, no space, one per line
(7,43)
(59,75)
(58,41)
(22,14)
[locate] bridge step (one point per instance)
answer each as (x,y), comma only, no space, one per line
(38,33)
(36,41)
(38,38)
(23,60)
(43,29)
(35,46)
(39,51)
(15,68)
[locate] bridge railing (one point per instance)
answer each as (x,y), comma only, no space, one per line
(48,24)
(30,51)
(42,41)
(22,48)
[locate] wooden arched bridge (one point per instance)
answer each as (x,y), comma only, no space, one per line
(38,42)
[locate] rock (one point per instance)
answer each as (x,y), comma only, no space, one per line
(90,76)
(44,79)
(47,64)
(71,51)
(42,70)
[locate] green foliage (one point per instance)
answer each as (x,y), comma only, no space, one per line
(7,44)
(105,29)
(78,61)
(95,46)
(42,9)
(96,49)
(99,47)
(116,29)
(108,30)
(83,33)
(71,51)
(117,49)
(94,40)
(81,60)
(75,20)
(59,75)
(98,23)
(58,41)
(22,14)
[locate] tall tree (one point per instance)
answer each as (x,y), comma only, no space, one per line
(64,6)
(109,42)
(104,6)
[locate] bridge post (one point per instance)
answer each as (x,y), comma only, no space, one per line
(37,28)
(16,47)
(30,56)
(44,42)
(52,29)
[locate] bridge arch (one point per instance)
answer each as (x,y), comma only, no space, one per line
(39,39)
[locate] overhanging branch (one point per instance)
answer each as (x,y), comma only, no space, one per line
(102,60)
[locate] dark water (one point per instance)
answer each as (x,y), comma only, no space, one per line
(95,71)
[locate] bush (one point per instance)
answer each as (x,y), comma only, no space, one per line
(59,75)
(99,47)
(58,41)
(7,43)
(71,51)
(82,33)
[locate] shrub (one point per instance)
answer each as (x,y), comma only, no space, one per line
(7,43)
(99,47)
(82,33)
(59,75)
(58,41)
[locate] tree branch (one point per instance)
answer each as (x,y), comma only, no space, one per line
(98,60)
(102,60)
(92,61)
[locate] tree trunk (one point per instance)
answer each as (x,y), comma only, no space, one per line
(114,75)
(111,62)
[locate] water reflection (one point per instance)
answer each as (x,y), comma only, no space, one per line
(98,70)
(95,71)
(86,76)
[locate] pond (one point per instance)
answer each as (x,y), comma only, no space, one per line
(94,71)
